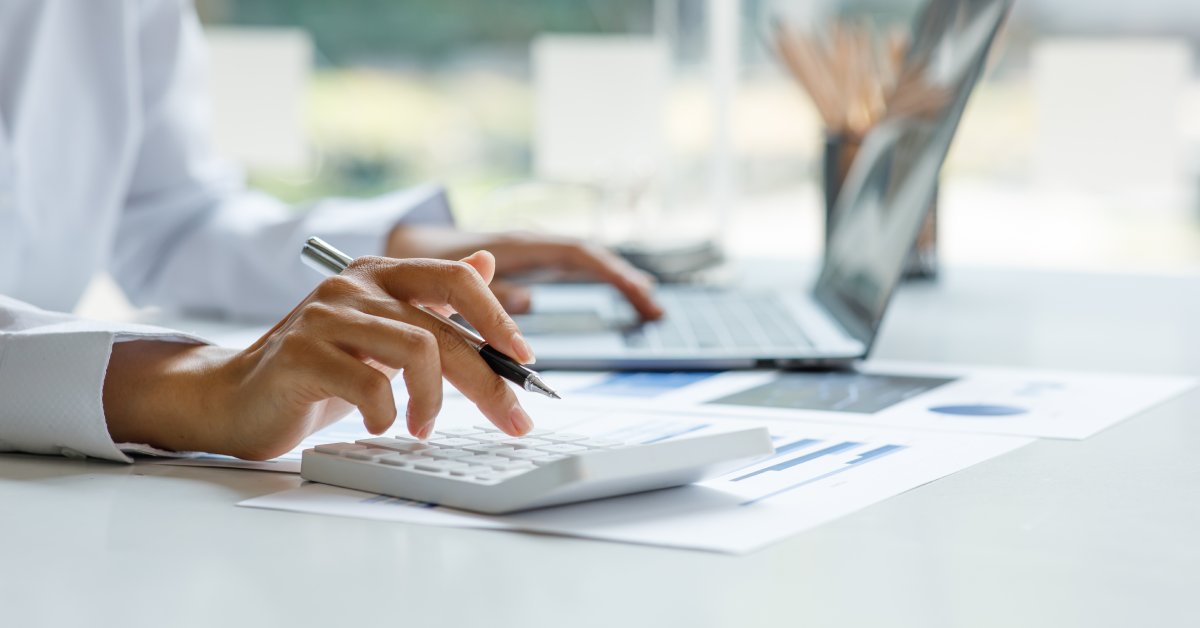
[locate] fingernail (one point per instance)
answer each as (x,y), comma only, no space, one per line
(520,420)
(524,352)
(425,430)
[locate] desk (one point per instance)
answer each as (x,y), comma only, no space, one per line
(1103,532)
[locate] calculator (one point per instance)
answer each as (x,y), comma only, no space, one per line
(485,470)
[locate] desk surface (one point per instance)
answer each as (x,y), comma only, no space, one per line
(1103,532)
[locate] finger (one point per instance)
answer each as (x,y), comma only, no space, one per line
(521,252)
(515,298)
(635,285)
(458,284)
(484,263)
(398,345)
(463,368)
(342,375)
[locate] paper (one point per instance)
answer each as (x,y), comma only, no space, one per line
(1023,402)
(818,473)
(1015,402)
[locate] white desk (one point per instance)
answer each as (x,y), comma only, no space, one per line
(1104,532)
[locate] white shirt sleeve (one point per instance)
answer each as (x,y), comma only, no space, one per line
(52,369)
(192,238)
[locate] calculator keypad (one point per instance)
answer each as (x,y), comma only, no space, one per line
(475,454)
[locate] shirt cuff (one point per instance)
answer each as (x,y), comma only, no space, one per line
(52,383)
(362,226)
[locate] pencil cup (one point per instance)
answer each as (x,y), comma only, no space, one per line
(840,150)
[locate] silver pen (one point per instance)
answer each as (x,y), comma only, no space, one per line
(325,259)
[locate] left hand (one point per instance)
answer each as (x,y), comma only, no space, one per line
(519,252)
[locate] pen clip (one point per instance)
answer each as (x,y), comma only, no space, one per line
(324,258)
(320,256)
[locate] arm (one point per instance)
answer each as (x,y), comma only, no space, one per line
(192,237)
(78,388)
(52,371)
(337,350)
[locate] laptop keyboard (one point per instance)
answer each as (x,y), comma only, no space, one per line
(720,320)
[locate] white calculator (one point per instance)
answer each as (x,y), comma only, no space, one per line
(486,470)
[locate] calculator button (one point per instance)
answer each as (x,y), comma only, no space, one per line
(399,460)
(487,428)
(489,437)
(498,451)
(367,454)
(509,465)
(525,454)
(484,448)
(451,442)
(562,448)
(471,470)
(600,444)
(545,460)
(439,465)
(504,475)
(564,438)
(337,448)
(527,442)
(458,431)
(395,444)
(447,454)
(483,459)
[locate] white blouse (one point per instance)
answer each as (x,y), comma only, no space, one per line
(106,163)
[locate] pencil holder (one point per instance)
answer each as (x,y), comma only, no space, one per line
(840,150)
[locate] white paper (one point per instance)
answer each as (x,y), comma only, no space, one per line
(1022,402)
(820,472)
(1048,404)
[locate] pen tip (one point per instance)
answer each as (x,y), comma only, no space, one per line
(535,384)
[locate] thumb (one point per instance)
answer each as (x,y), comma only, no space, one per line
(484,263)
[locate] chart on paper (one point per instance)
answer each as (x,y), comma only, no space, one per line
(817,473)
(968,399)
(800,458)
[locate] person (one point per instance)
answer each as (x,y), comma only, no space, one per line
(105,162)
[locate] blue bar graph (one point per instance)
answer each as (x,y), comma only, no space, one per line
(781,451)
(800,444)
(875,453)
(869,456)
(787,464)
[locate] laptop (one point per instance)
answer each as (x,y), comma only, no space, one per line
(880,209)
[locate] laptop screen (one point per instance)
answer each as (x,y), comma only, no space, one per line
(890,185)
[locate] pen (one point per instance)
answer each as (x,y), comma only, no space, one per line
(325,259)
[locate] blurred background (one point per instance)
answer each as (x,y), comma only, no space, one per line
(616,119)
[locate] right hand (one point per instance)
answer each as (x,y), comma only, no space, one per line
(336,350)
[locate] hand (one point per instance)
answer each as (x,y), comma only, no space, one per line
(337,349)
(518,252)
